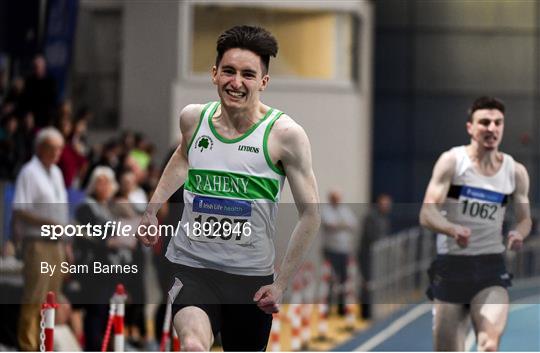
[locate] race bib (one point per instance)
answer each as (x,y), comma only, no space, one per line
(220,220)
(480,205)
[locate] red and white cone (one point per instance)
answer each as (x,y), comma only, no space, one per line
(275,333)
(308,295)
(306,311)
(119,298)
(48,308)
(110,323)
(295,316)
(164,344)
(175,341)
(323,308)
(350,294)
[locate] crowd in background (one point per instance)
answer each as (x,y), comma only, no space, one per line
(111,181)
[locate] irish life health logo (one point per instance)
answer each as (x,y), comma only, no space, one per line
(204,142)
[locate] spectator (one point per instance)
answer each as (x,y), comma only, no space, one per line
(40,199)
(9,163)
(25,136)
(338,224)
(72,163)
(40,93)
(80,128)
(127,141)
(134,192)
(140,152)
(109,156)
(12,101)
(376,226)
(96,210)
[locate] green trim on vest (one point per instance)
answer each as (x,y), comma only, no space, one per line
(274,167)
(232,185)
(240,138)
(208,105)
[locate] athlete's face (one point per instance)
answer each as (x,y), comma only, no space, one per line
(239,78)
(486,128)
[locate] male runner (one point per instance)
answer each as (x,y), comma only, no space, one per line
(233,158)
(465,204)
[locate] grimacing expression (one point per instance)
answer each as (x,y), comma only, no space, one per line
(487,128)
(239,78)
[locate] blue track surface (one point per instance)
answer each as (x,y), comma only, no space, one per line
(410,328)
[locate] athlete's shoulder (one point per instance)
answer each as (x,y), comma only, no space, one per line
(448,158)
(286,130)
(190,115)
(446,165)
(521,172)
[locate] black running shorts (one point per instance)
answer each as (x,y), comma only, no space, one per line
(457,279)
(227,299)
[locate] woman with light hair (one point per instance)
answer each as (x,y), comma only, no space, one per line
(96,289)
(102,185)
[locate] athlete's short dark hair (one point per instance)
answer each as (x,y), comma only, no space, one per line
(485,102)
(255,39)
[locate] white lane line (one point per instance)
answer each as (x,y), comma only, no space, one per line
(397,325)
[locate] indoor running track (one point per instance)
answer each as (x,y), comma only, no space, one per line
(410,328)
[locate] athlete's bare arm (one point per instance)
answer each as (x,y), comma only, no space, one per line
(437,190)
(174,174)
(289,144)
(522,209)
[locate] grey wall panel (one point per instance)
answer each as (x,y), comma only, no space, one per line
(422,170)
(470,62)
(519,120)
(393,13)
(439,124)
(476,14)
(392,126)
(395,178)
(393,62)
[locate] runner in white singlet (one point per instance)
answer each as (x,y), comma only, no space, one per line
(465,203)
(233,160)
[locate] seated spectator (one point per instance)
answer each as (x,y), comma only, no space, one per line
(109,156)
(135,194)
(40,93)
(72,162)
(80,128)
(96,210)
(140,152)
(12,101)
(26,134)
(10,162)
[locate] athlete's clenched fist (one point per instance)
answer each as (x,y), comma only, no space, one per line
(148,219)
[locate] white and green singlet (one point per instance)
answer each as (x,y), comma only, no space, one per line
(231,198)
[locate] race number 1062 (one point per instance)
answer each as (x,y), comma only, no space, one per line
(225,228)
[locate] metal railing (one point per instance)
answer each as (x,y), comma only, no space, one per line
(399,265)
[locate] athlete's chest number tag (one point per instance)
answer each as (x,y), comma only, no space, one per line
(220,220)
(480,204)
(480,210)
